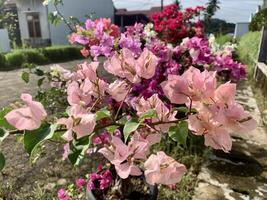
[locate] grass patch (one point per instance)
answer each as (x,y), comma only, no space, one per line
(222,39)
(261,101)
(248,48)
(247,51)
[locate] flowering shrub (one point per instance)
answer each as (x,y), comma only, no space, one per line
(173,25)
(153,92)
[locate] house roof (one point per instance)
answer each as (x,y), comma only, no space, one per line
(148,13)
(9,2)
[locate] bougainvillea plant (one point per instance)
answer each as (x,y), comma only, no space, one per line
(151,92)
(173,24)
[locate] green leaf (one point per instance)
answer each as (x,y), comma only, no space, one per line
(112,128)
(184,110)
(32,139)
(181,109)
(3,134)
(40,82)
(78,149)
(54,18)
(3,122)
(2,161)
(103,113)
(149,114)
(25,76)
(179,133)
(39,72)
(130,127)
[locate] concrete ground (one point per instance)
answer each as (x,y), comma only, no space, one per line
(11,85)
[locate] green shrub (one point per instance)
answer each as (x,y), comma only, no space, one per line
(248,48)
(259,20)
(22,58)
(61,53)
(15,59)
(222,39)
(34,56)
(2,61)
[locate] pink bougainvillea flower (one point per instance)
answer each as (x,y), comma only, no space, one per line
(95,88)
(214,133)
(229,113)
(85,53)
(176,89)
(123,65)
(225,93)
(141,143)
(235,118)
(80,182)
(193,84)
(201,85)
(29,117)
(118,90)
(63,195)
(163,113)
(162,169)
(86,85)
(124,170)
(126,66)
(129,66)
(88,70)
(118,154)
(106,180)
(79,122)
(113,66)
(76,96)
(66,151)
(146,64)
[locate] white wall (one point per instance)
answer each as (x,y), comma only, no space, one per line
(241,28)
(4,41)
(25,6)
(78,9)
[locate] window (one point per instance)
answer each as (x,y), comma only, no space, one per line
(34,25)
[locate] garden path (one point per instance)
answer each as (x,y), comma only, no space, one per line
(242,174)
(11,85)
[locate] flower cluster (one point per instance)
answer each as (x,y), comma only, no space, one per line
(173,25)
(218,112)
(101,180)
(134,106)
(98,37)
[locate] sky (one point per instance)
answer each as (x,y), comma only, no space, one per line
(230,10)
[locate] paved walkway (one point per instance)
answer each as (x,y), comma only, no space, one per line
(242,174)
(11,85)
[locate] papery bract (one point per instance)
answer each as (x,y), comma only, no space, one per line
(29,117)
(162,169)
(80,122)
(119,90)
(215,135)
(146,64)
(163,113)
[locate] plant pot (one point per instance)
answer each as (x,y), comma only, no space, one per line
(90,195)
(153,194)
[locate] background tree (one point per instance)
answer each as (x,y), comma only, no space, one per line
(212,7)
(9,21)
(259,20)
